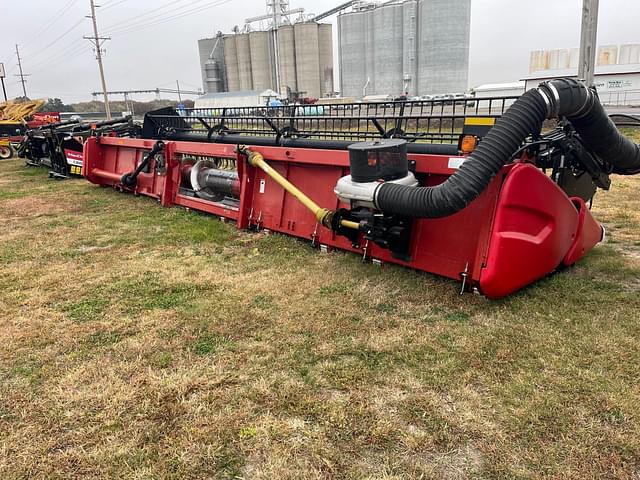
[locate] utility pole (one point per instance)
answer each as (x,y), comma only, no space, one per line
(97,42)
(588,36)
(179,96)
(21,75)
(2,75)
(277,20)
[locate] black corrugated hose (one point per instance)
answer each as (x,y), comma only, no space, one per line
(563,97)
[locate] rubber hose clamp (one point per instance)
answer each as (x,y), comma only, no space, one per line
(583,110)
(556,99)
(547,102)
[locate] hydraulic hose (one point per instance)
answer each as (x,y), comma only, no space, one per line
(556,98)
(602,136)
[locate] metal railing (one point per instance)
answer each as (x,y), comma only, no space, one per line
(624,98)
(422,121)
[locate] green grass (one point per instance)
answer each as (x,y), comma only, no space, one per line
(142,342)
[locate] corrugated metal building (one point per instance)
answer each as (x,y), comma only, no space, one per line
(419,47)
(247,61)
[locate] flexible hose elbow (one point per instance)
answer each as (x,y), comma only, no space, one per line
(563,97)
(596,129)
(523,117)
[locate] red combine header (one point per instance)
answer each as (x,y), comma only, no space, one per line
(474,191)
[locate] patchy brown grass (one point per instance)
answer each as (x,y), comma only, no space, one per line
(141,342)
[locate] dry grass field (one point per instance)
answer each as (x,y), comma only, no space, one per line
(148,343)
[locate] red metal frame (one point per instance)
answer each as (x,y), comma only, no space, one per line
(518,230)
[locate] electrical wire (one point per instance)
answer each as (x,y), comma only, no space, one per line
(36,35)
(191,85)
(56,40)
(144,20)
(148,16)
(136,28)
(162,17)
(71,52)
(110,4)
(66,52)
(15,65)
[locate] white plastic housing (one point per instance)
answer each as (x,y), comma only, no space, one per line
(363,194)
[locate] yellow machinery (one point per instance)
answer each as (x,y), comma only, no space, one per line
(13,117)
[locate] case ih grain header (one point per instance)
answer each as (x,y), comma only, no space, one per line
(58,146)
(473,191)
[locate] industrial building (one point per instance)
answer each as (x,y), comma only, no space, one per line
(563,58)
(493,90)
(419,47)
(239,98)
(617,71)
(294,58)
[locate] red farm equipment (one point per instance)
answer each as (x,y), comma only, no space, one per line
(58,146)
(478,192)
(15,118)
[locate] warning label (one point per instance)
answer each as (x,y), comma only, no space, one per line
(73,157)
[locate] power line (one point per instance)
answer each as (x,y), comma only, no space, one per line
(149,16)
(97,40)
(136,28)
(164,17)
(22,74)
(71,51)
(56,17)
(57,39)
(110,4)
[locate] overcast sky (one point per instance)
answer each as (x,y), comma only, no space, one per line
(154,41)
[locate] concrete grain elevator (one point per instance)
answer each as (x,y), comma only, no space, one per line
(419,47)
(293,56)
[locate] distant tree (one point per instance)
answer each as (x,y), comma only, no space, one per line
(56,105)
(139,108)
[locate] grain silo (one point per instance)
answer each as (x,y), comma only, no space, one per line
(629,54)
(260,54)
(302,50)
(409,47)
(536,61)
(243,53)
(211,52)
(607,55)
(554,59)
(387,49)
(325,42)
(231,63)
(287,60)
(564,58)
(370,35)
(443,46)
(414,46)
(352,41)
(574,57)
(307,58)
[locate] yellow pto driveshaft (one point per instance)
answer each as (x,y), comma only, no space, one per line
(323,215)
